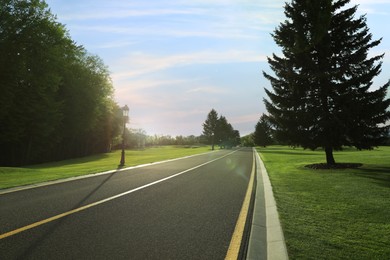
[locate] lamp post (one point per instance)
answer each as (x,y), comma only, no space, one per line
(125,111)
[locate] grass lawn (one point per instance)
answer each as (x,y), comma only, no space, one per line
(17,176)
(332,214)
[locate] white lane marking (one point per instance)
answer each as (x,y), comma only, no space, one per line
(39,223)
(91,175)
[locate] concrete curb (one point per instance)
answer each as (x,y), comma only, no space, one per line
(266,239)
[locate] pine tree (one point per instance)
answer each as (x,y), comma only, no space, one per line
(322,94)
(262,134)
(210,127)
(224,132)
(219,131)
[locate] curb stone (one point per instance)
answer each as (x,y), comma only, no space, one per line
(266,239)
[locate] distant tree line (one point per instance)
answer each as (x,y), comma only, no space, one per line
(264,135)
(56,99)
(138,139)
(190,140)
(218,131)
(247,140)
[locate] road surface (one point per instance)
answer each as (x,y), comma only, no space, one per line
(182,209)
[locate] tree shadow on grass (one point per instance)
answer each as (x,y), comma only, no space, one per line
(337,166)
(67,162)
(293,152)
(380,175)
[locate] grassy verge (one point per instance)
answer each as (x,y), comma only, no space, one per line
(332,214)
(17,176)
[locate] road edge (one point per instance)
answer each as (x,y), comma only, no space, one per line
(238,240)
(266,240)
(96,203)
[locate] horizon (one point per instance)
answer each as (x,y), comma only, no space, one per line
(172,62)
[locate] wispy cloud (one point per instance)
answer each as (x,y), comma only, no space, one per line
(160,31)
(245,119)
(114,44)
(120,13)
(372,7)
(174,60)
(207,90)
(140,63)
(144,84)
(370,2)
(209,19)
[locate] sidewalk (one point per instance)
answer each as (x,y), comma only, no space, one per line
(266,239)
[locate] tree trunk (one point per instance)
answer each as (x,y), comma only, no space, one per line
(329,156)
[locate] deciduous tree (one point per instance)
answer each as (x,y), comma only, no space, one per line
(56,99)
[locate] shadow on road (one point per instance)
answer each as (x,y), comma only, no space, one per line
(26,253)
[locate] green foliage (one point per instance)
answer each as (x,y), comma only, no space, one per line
(321,91)
(332,214)
(91,117)
(210,127)
(29,78)
(137,138)
(56,99)
(262,135)
(247,141)
(219,131)
(226,136)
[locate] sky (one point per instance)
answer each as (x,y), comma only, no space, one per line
(173,61)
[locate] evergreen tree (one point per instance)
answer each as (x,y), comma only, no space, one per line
(322,93)
(210,127)
(235,138)
(219,131)
(262,134)
(224,130)
(226,136)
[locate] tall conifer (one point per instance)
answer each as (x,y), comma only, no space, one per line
(322,93)
(210,127)
(262,135)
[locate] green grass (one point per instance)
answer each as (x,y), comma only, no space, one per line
(17,176)
(332,214)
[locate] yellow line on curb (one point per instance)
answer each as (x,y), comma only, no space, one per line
(235,243)
(39,223)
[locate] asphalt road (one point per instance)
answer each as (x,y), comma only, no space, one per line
(191,215)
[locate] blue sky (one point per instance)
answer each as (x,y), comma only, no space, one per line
(173,61)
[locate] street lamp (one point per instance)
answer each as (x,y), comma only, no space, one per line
(125,111)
